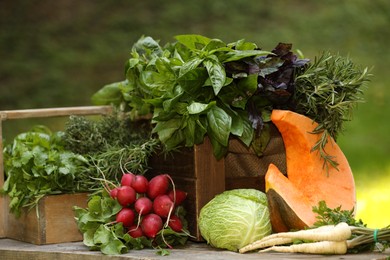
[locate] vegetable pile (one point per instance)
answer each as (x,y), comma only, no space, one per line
(186,90)
(135,214)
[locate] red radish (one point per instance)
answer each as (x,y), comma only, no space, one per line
(143,205)
(135,231)
(127,179)
(126,196)
(180,196)
(140,184)
(162,205)
(158,185)
(151,224)
(175,223)
(126,216)
(114,192)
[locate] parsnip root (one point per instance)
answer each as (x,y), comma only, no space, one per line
(263,243)
(339,232)
(321,247)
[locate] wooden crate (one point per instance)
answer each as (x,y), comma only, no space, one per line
(197,171)
(53,220)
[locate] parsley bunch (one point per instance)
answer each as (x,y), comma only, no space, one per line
(36,164)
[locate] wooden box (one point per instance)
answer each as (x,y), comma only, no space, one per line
(196,171)
(53,220)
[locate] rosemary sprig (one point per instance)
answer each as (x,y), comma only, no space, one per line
(327,91)
(116,160)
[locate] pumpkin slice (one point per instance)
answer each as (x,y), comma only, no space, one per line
(292,198)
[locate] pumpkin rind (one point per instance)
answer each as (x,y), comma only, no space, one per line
(307,182)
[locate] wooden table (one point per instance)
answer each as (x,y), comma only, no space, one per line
(15,250)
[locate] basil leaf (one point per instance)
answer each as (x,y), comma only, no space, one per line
(189,131)
(190,65)
(193,41)
(216,73)
(219,123)
(197,108)
(219,150)
(260,142)
(193,80)
(241,54)
(248,132)
(109,94)
(178,137)
(165,129)
(215,45)
(244,45)
(157,83)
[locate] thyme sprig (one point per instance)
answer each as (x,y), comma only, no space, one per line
(327,91)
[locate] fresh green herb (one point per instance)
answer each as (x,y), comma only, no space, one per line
(40,162)
(116,160)
(327,91)
(362,238)
(112,145)
(198,86)
(90,136)
(328,216)
(36,164)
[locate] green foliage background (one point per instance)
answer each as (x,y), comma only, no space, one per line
(58,53)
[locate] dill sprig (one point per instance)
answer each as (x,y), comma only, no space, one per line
(327,91)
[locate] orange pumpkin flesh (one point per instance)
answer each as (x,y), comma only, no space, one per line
(292,198)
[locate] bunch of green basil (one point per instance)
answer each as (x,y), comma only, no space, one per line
(199,86)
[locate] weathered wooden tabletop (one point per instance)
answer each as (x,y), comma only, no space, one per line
(15,250)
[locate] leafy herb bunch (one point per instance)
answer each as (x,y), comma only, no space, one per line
(112,145)
(199,86)
(37,164)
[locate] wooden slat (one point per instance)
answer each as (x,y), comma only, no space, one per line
(54,112)
(3,205)
(210,176)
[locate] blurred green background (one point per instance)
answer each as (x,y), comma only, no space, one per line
(58,53)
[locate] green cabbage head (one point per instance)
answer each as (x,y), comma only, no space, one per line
(235,218)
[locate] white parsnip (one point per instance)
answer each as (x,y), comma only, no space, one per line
(263,243)
(339,232)
(321,247)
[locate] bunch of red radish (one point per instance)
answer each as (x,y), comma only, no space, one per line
(148,206)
